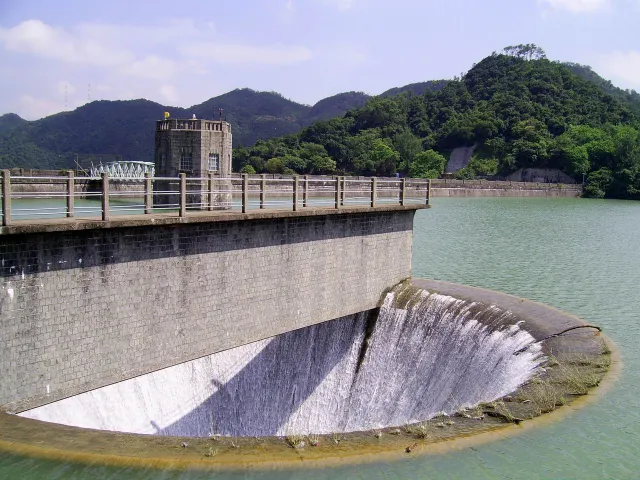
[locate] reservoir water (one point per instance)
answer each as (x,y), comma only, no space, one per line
(581,256)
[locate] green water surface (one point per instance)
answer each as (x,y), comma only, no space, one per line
(581,256)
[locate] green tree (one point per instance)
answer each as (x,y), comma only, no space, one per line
(258,163)
(408,146)
(359,148)
(427,164)
(388,114)
(478,167)
(275,165)
(384,158)
(598,183)
(294,163)
(322,165)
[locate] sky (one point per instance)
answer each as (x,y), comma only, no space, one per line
(58,55)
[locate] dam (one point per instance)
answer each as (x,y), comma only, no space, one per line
(253,323)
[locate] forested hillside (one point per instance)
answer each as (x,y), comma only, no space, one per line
(415,88)
(630,96)
(519,108)
(126,128)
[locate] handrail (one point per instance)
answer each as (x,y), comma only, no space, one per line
(107,198)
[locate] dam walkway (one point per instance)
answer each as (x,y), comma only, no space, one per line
(33,200)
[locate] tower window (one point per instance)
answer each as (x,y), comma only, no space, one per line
(214,162)
(186,162)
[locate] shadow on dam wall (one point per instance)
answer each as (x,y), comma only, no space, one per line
(261,398)
(421,354)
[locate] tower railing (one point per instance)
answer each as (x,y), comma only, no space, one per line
(31,198)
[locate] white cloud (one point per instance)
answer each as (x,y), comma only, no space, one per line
(168,92)
(37,38)
(32,107)
(152,67)
(577,6)
(342,5)
(171,62)
(623,68)
(112,46)
(276,55)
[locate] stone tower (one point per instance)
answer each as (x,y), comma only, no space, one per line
(198,148)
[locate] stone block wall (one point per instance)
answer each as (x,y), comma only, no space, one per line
(87,308)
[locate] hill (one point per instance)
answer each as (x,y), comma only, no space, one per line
(126,128)
(631,97)
(336,106)
(416,88)
(518,108)
(10,120)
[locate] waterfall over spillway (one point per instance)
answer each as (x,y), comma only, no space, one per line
(421,354)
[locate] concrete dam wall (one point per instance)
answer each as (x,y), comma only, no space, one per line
(87,304)
(421,354)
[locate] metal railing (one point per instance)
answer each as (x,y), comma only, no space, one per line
(36,197)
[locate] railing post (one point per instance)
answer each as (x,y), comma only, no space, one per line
(338,195)
(342,190)
(183,195)
(245,192)
(429,192)
(295,193)
(148,193)
(263,191)
(105,197)
(403,190)
(305,191)
(374,187)
(70,193)
(212,189)
(6,197)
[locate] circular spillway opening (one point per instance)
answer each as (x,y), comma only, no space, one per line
(420,355)
(424,367)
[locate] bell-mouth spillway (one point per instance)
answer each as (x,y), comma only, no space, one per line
(519,371)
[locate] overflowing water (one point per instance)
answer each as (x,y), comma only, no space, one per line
(365,371)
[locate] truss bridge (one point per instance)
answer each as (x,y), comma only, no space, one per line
(123,170)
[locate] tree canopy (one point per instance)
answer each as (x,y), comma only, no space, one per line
(519,110)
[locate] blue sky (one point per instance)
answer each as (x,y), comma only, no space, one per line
(184,52)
